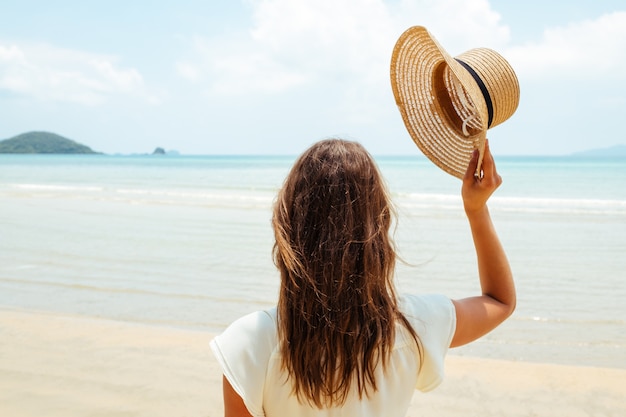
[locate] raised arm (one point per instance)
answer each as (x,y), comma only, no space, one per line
(476,316)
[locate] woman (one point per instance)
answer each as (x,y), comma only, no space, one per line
(340,341)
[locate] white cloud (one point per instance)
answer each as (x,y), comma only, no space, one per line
(233,67)
(458,25)
(188,71)
(49,73)
(125,80)
(335,45)
(591,49)
(325,35)
(12,52)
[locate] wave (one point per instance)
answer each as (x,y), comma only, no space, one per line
(538,205)
(196,194)
(571,321)
(152,196)
(263,198)
(133,291)
(34,188)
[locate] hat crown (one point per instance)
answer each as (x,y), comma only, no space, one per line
(500,83)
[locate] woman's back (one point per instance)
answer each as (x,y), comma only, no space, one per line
(250,355)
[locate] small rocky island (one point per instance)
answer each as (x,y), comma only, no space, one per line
(161,151)
(43,143)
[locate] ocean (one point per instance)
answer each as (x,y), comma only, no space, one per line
(185,241)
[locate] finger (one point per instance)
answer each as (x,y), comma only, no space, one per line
(471,167)
(478,174)
(489,166)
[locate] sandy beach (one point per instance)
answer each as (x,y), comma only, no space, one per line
(57,365)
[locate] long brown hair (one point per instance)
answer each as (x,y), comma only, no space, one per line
(337,307)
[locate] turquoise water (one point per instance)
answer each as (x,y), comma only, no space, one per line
(186,241)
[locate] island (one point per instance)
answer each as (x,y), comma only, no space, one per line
(43,143)
(161,151)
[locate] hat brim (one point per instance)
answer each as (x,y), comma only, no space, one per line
(418,66)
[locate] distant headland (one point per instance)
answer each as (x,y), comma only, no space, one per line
(43,142)
(613,151)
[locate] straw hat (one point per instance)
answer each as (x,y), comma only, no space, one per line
(448,104)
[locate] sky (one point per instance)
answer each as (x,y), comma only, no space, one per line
(274,76)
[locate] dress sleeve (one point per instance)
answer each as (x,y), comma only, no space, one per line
(243,351)
(433,318)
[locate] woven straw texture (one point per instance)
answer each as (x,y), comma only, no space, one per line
(442,104)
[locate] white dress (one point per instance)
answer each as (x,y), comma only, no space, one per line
(249,355)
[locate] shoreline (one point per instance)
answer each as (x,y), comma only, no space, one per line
(62,365)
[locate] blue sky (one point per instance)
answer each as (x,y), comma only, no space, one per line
(273,76)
